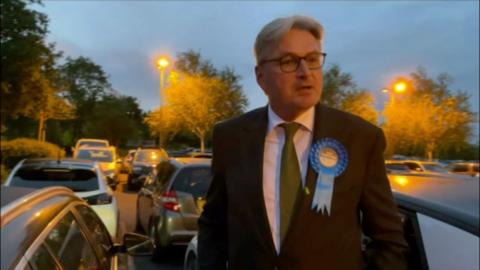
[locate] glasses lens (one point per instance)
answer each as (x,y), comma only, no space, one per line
(314,61)
(289,63)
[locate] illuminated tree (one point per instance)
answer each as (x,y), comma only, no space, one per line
(428,118)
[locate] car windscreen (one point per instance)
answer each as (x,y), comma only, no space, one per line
(92,144)
(153,156)
(193,180)
(96,155)
(78,180)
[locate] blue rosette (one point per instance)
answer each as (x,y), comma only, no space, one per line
(329,158)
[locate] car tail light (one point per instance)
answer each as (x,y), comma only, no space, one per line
(170,201)
(102,198)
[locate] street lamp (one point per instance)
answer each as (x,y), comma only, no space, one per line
(398,87)
(162,63)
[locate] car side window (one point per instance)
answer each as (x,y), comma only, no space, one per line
(98,233)
(413,166)
(164,171)
(69,245)
(411,231)
(460,168)
(42,259)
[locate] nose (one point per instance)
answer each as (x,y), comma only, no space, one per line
(303,70)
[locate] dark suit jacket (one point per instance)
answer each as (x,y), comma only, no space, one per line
(234,226)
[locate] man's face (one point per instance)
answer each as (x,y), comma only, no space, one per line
(291,93)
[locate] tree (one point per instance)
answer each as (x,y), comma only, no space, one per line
(194,100)
(341,92)
(428,118)
(164,123)
(85,83)
(115,118)
(198,95)
(28,81)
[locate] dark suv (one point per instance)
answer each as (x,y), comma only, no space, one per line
(144,161)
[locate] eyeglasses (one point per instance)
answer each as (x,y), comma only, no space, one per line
(291,62)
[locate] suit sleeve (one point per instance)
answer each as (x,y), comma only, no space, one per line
(212,234)
(380,220)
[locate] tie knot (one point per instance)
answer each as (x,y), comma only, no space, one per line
(290,130)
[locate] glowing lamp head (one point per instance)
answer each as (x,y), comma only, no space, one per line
(400,87)
(162,63)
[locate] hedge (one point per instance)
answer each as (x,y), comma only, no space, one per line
(3,172)
(15,150)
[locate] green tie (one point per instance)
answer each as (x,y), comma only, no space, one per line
(290,179)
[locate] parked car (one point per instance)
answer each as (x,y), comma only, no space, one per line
(465,168)
(105,156)
(171,201)
(84,177)
(440,222)
(85,142)
(144,161)
(395,167)
(51,228)
(426,167)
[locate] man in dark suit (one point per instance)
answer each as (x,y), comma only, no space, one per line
(295,183)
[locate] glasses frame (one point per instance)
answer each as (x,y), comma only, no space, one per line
(324,55)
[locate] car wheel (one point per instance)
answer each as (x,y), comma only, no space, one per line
(191,262)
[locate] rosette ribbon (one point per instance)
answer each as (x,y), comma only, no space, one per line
(329,159)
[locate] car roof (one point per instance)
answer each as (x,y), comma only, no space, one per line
(453,200)
(92,140)
(24,215)
(10,194)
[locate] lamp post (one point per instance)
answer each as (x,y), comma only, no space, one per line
(162,63)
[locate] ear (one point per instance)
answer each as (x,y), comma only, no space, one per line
(259,75)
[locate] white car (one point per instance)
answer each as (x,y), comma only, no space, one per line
(86,142)
(84,177)
(440,219)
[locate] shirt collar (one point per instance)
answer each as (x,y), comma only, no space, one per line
(305,119)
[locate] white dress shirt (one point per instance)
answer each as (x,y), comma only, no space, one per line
(272,157)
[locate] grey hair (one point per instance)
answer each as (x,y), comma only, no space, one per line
(271,33)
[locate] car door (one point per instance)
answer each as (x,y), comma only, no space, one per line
(435,244)
(447,246)
(145,201)
(65,247)
(97,234)
(191,185)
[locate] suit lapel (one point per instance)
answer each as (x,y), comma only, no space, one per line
(255,134)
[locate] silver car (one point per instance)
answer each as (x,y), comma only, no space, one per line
(171,201)
(52,228)
(84,177)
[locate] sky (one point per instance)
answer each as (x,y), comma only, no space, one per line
(374,41)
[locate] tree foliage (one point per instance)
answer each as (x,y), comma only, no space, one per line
(198,96)
(429,118)
(114,118)
(27,60)
(341,92)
